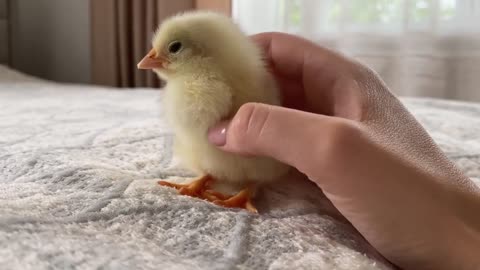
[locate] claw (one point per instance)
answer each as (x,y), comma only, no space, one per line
(199,188)
(193,189)
(240,200)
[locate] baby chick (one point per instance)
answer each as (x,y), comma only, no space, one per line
(211,69)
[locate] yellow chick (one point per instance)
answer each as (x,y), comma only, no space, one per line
(211,69)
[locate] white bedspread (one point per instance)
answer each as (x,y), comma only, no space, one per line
(78,170)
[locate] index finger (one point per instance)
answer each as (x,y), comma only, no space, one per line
(292,56)
(309,74)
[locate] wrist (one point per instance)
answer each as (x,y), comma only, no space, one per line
(469,231)
(460,243)
(453,241)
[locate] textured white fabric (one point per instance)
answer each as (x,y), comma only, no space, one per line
(419,47)
(8,75)
(78,191)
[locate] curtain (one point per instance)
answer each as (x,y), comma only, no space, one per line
(122,31)
(4,44)
(222,6)
(419,47)
(121,35)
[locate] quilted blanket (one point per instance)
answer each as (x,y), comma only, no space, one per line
(78,172)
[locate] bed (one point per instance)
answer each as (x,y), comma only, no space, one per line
(78,171)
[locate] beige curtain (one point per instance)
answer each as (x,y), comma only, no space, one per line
(223,6)
(121,34)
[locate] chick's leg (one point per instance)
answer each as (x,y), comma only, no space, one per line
(242,199)
(193,189)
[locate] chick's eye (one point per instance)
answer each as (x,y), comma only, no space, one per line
(174,47)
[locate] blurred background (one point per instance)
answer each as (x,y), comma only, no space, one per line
(427,48)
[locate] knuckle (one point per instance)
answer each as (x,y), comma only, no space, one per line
(248,124)
(337,148)
(239,125)
(342,140)
(366,75)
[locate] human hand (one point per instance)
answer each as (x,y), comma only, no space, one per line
(347,133)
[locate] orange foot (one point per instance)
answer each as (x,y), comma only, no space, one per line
(194,189)
(242,199)
(200,188)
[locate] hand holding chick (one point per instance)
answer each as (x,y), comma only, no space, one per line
(212,69)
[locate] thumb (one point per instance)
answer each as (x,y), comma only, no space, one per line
(284,134)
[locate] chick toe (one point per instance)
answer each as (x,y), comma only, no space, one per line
(193,189)
(240,200)
(212,195)
(200,188)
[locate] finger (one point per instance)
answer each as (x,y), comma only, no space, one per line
(276,46)
(293,95)
(324,81)
(291,136)
(290,54)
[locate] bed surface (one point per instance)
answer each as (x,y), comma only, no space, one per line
(78,170)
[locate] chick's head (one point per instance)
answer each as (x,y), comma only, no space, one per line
(172,50)
(183,41)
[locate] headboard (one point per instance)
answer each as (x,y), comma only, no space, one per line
(4,41)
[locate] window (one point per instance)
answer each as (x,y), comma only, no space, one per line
(313,17)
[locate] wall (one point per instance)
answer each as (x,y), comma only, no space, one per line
(51,39)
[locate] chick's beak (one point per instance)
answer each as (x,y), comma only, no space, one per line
(152,61)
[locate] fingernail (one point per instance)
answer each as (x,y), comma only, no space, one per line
(218,134)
